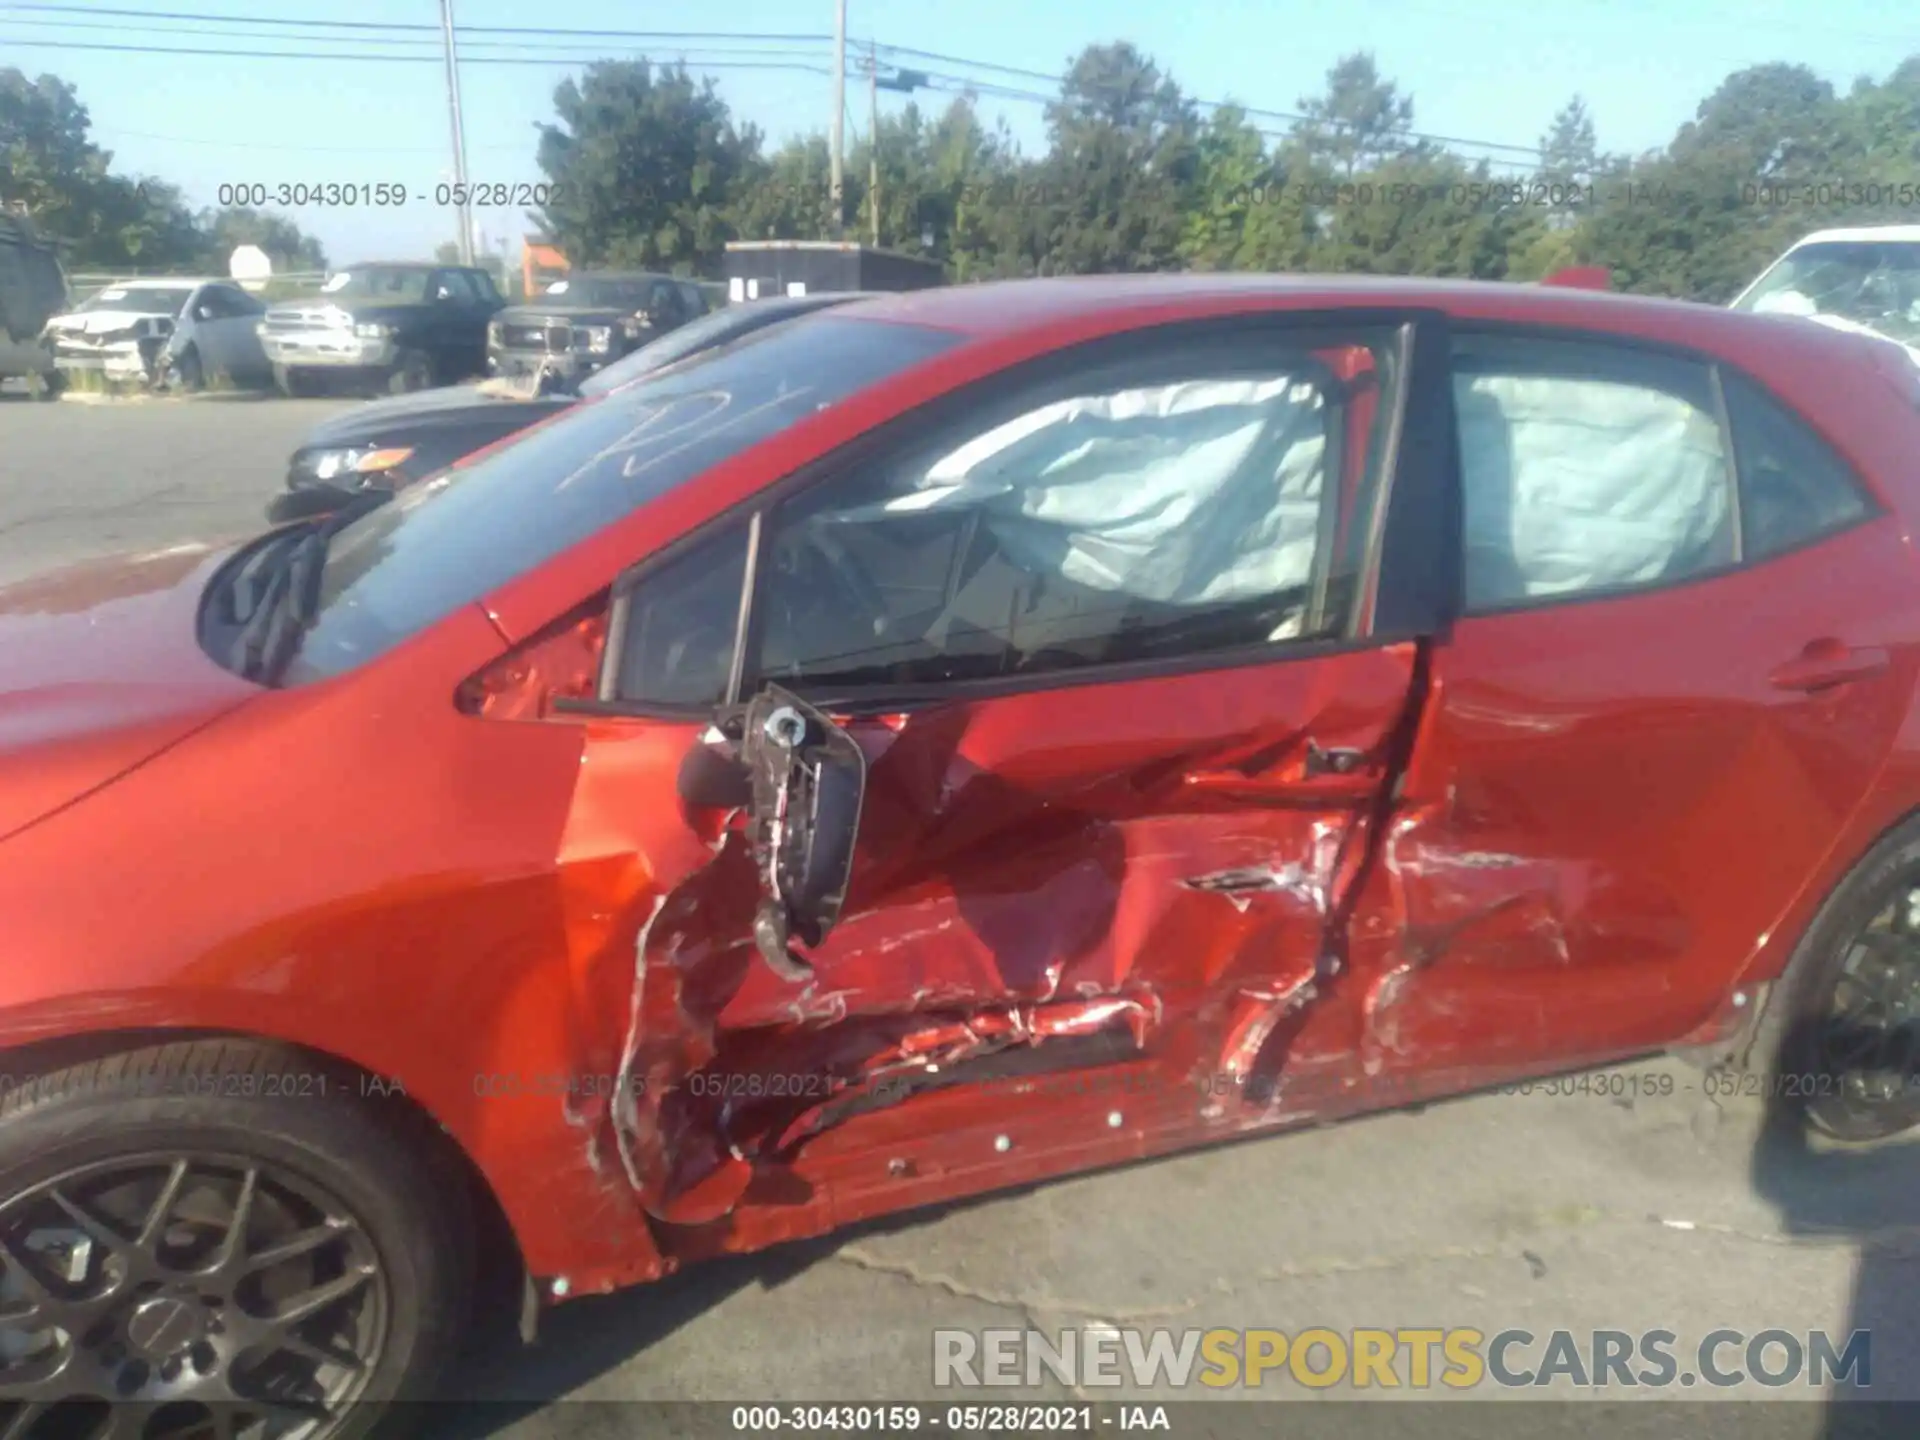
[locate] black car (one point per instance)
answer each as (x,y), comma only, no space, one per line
(587,321)
(374,449)
(397,326)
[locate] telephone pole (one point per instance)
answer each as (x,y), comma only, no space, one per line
(873,140)
(459,137)
(835,189)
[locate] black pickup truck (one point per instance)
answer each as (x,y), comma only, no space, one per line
(585,321)
(392,326)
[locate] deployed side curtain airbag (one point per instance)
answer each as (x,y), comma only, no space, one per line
(1205,492)
(1578,484)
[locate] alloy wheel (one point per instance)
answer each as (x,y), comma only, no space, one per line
(176,1294)
(1864,1076)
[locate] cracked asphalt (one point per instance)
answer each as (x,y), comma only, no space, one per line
(1539,1212)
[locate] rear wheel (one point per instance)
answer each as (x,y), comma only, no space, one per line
(1841,1036)
(219,1236)
(186,374)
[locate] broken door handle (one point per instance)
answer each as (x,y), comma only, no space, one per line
(1826,663)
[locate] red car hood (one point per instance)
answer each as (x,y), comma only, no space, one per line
(99,671)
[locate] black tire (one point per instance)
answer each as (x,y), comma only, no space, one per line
(386,1188)
(287,381)
(412,370)
(1791,1058)
(187,375)
(52,384)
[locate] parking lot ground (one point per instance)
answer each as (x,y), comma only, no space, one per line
(1613,1208)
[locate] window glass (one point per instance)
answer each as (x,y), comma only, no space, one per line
(454,285)
(1793,488)
(677,645)
(1586,467)
(453,539)
(1159,510)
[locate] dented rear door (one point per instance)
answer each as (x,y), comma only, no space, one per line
(1682,665)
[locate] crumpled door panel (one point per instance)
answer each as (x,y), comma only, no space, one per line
(1092,873)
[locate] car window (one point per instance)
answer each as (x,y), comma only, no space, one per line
(453,285)
(483,285)
(692,300)
(1586,467)
(379,284)
(1164,508)
(677,344)
(139,299)
(220,302)
(450,541)
(676,647)
(1793,488)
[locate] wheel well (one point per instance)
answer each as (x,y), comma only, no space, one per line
(500,1260)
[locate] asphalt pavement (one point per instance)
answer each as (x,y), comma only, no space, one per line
(1612,1207)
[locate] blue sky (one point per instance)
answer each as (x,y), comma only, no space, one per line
(1492,71)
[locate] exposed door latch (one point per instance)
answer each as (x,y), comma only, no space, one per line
(1337,760)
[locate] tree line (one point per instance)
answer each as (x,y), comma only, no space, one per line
(650,169)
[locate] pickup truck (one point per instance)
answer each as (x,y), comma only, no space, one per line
(387,326)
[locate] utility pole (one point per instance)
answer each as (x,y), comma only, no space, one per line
(459,137)
(836,190)
(873,140)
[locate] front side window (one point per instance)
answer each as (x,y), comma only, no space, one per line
(454,539)
(1586,467)
(1164,508)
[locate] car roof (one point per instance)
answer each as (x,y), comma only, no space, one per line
(162,282)
(403,265)
(1900,234)
(1010,307)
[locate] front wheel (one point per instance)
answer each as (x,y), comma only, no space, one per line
(225,1230)
(412,370)
(185,374)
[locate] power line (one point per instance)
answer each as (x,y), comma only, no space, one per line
(391,25)
(390,59)
(465,45)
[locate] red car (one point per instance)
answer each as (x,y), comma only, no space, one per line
(949,741)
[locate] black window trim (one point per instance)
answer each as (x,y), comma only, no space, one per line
(1420,613)
(1715,367)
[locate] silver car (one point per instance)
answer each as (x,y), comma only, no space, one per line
(178,333)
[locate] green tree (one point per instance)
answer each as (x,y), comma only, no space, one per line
(283,242)
(1359,121)
(646,165)
(1112,192)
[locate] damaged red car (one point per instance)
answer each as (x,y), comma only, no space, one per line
(957,739)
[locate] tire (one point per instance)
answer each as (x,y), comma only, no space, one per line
(412,370)
(187,376)
(1791,1056)
(388,1229)
(52,385)
(287,381)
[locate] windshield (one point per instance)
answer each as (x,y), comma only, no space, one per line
(141,299)
(1875,283)
(614,294)
(454,539)
(696,335)
(390,285)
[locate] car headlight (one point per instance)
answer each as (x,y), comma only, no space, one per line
(261,329)
(358,461)
(599,339)
(496,333)
(372,331)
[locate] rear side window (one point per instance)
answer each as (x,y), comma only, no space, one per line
(1793,488)
(1587,467)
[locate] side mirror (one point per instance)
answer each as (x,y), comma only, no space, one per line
(808,778)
